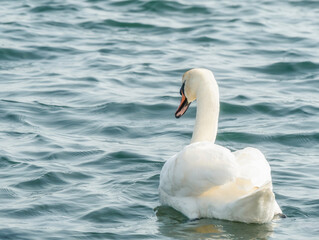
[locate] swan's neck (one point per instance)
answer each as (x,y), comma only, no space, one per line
(207,113)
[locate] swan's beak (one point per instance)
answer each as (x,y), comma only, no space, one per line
(183,106)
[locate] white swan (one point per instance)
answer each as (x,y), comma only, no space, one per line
(208,180)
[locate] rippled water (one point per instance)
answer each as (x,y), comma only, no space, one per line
(88,93)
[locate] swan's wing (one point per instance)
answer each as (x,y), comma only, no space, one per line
(257,207)
(198,168)
(253,166)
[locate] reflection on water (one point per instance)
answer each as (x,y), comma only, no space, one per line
(174,224)
(210,228)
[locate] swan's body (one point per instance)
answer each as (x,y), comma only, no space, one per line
(208,180)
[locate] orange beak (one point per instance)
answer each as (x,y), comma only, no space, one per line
(183,106)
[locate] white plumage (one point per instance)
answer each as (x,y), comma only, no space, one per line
(208,180)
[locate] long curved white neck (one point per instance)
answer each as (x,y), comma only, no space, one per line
(207,112)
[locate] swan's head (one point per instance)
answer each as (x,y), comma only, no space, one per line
(191,81)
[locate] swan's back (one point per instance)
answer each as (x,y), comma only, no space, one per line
(253,166)
(197,168)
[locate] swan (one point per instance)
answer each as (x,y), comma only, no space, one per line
(206,180)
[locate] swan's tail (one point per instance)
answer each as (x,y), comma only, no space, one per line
(257,207)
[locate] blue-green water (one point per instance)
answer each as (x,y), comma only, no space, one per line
(88,93)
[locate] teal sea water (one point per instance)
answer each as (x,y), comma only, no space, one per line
(88,93)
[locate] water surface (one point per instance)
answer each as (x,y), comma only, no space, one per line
(88,93)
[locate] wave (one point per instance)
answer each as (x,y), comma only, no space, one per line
(267,108)
(300,139)
(11,54)
(146,27)
(161,7)
(114,214)
(54,8)
(42,182)
(281,68)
